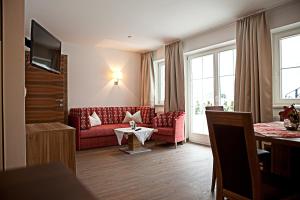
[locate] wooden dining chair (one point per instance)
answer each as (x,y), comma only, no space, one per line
(237,165)
(263,155)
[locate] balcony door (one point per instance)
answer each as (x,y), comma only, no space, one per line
(210,82)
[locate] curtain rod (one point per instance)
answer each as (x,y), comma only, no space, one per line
(254,13)
(264,9)
(178,40)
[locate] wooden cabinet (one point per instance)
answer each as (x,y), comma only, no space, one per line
(50,142)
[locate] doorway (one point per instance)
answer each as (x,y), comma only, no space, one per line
(210,82)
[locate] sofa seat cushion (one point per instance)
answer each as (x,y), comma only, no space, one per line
(105,130)
(165,131)
(102,130)
(144,125)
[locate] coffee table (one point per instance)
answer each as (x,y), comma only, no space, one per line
(136,139)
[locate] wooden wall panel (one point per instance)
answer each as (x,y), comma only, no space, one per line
(47,94)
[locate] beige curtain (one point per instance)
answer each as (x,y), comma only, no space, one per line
(253,77)
(147,80)
(174,81)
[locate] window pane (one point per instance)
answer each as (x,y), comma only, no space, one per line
(290,51)
(208,92)
(202,91)
(202,96)
(196,92)
(290,83)
(208,66)
(227,62)
(234,59)
(197,68)
(227,92)
(162,83)
(159,82)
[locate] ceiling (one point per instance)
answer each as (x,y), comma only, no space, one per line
(151,23)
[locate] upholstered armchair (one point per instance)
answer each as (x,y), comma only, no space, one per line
(170,127)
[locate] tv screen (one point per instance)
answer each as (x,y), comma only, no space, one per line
(45,49)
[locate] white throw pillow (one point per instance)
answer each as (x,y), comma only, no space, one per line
(135,117)
(94,120)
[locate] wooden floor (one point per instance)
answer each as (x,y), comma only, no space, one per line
(164,173)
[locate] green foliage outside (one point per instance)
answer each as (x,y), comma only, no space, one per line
(200,109)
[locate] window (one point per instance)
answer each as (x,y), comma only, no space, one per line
(286,66)
(159,73)
(211,82)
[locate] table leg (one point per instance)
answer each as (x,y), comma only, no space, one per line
(134,146)
(133,143)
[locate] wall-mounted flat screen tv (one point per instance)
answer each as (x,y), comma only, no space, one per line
(45,49)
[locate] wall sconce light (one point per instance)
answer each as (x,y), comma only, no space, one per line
(117,75)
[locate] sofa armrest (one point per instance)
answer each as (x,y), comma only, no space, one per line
(74,121)
(178,125)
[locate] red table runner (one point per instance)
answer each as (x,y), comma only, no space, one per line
(275,129)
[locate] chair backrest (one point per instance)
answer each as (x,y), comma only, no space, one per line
(234,149)
(220,108)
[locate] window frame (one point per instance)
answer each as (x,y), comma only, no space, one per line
(157,81)
(278,34)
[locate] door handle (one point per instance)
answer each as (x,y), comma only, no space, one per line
(59,100)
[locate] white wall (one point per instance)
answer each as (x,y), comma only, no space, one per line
(280,16)
(159,54)
(90,76)
(284,15)
(13,84)
(216,36)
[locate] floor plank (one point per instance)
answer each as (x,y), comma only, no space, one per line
(163,173)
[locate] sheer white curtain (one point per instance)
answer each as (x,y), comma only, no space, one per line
(253,82)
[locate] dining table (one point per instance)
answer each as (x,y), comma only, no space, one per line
(284,146)
(42,182)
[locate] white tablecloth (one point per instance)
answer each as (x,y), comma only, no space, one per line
(142,135)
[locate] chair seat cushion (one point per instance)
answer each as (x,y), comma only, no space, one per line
(165,131)
(263,155)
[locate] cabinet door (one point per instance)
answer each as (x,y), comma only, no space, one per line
(37,149)
(46,94)
(62,148)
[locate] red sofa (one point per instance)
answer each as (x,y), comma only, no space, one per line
(170,127)
(111,117)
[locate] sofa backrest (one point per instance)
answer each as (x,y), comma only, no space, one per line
(111,115)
